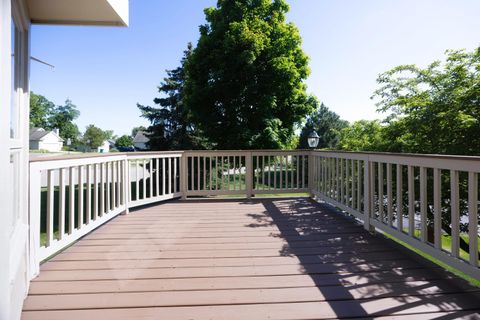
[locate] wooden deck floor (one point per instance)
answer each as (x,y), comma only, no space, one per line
(259,259)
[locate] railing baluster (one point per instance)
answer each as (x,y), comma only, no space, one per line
(170,172)
(102,188)
(164,176)
(437,208)
(137,180)
(455,207)
(234,173)
(399,198)
(411,202)
(50,207)
(107,180)
(423,204)
(381,185)
(114,188)
(354,192)
(473,217)
(303,171)
(150,163)
(389,195)
(80,197)
(95,191)
(61,204)
(71,201)
(204,173)
(157,176)
(359,185)
(175,188)
(199,186)
(89,195)
(211,173)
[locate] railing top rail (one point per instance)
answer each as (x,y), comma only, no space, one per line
(394,154)
(101,155)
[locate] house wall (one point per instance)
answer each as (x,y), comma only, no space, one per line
(105,148)
(140,145)
(51,143)
(14,267)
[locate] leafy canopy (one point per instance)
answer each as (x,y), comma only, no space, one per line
(436,109)
(326,123)
(44,114)
(124,142)
(245,79)
(94,137)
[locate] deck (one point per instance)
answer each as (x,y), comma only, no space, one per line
(235,259)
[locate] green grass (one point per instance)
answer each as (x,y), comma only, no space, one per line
(446,245)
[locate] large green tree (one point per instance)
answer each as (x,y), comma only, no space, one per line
(41,110)
(245,79)
(434,109)
(124,142)
(326,123)
(63,118)
(363,135)
(171,127)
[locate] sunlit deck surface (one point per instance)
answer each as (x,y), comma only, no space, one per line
(235,259)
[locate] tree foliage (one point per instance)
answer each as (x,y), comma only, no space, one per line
(245,79)
(362,135)
(124,142)
(44,114)
(326,123)
(94,137)
(171,127)
(41,110)
(435,109)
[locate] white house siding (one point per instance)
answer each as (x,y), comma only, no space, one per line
(49,142)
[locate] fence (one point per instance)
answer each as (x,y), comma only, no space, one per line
(421,200)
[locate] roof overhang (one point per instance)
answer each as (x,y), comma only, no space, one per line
(79,12)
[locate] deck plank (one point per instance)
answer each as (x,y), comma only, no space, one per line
(259,259)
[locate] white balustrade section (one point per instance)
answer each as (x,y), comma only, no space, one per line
(408,197)
(415,198)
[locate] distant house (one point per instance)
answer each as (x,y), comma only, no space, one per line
(40,139)
(106,146)
(140,141)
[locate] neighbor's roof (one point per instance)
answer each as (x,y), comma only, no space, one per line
(37,134)
(140,137)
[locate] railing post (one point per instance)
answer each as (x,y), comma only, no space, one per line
(126,185)
(183,176)
(367,187)
(249,174)
(34,221)
(310,174)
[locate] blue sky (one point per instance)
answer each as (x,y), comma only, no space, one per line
(106,71)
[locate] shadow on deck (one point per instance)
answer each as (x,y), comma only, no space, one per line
(231,259)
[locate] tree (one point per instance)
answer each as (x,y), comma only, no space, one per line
(62,118)
(41,110)
(326,123)
(94,137)
(362,135)
(436,109)
(136,129)
(171,127)
(245,79)
(124,142)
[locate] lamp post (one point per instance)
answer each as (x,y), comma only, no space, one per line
(313,139)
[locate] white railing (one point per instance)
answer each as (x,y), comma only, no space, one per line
(245,172)
(69,198)
(414,198)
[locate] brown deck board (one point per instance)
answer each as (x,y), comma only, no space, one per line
(259,259)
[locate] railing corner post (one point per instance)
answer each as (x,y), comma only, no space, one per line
(249,174)
(34,221)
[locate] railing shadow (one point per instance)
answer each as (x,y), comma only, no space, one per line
(359,282)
